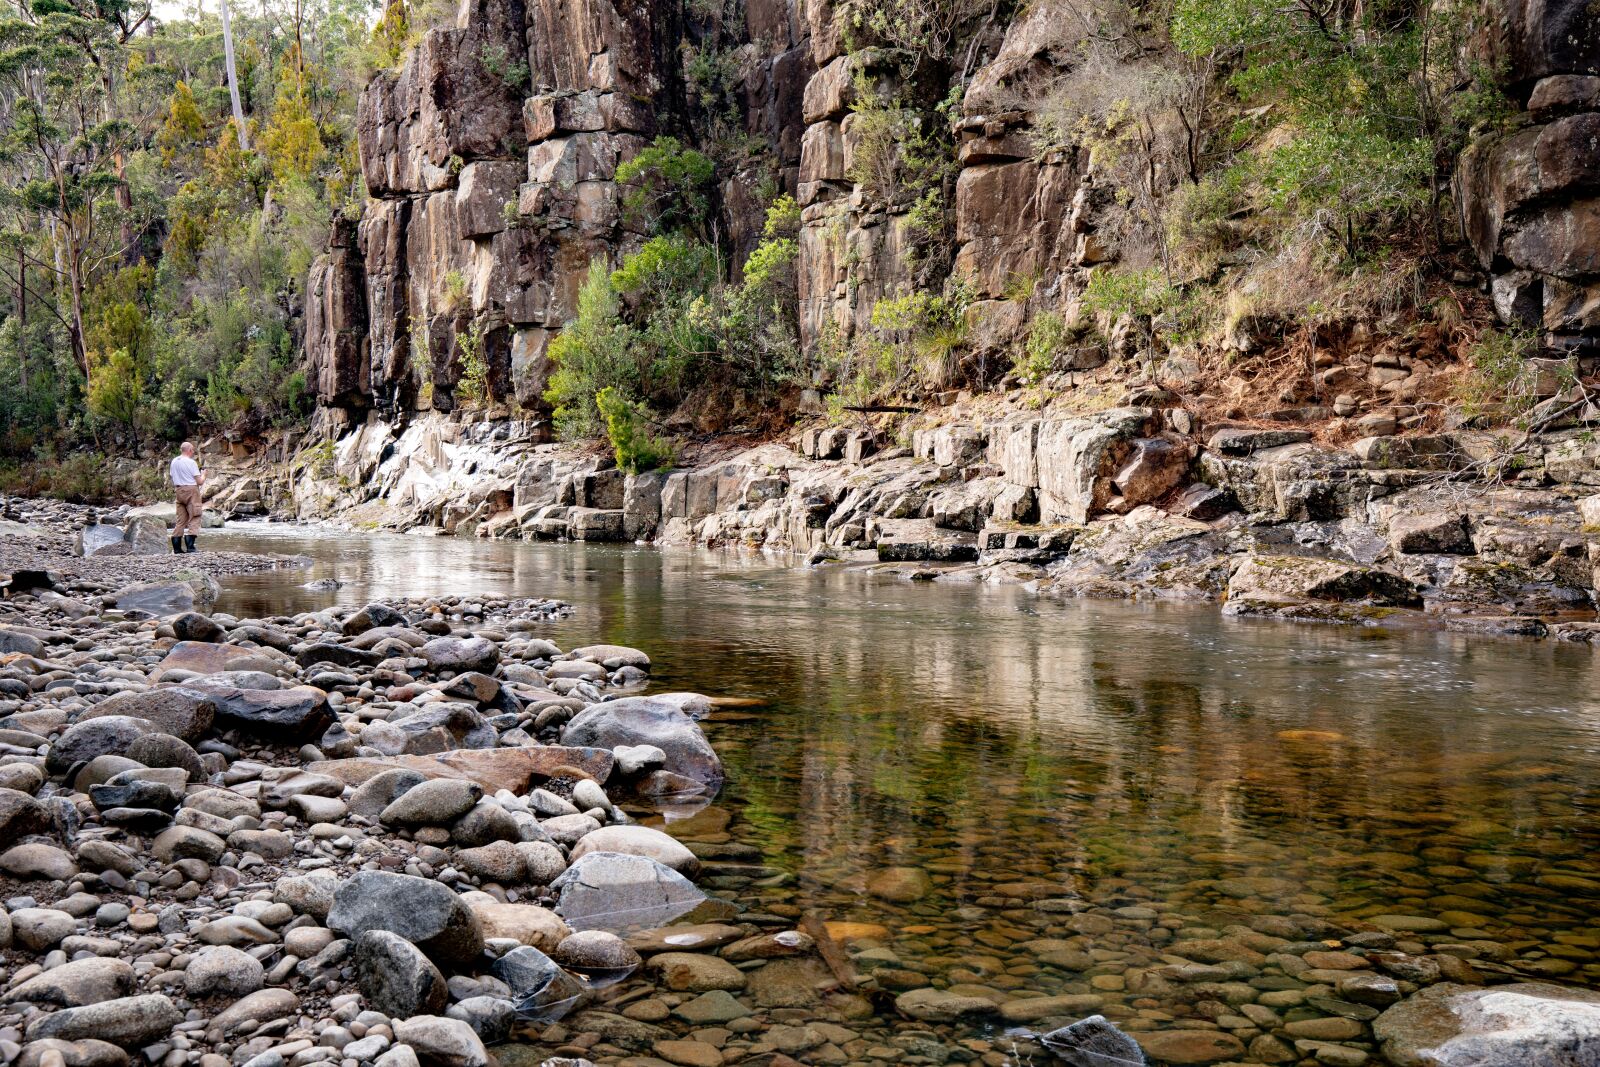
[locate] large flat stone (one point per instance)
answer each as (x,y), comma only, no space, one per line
(516,769)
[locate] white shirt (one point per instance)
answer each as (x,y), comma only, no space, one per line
(185,471)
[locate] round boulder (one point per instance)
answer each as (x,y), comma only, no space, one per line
(643,721)
(100,736)
(639,841)
(224,970)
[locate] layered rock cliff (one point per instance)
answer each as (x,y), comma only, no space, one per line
(1530,196)
(491,154)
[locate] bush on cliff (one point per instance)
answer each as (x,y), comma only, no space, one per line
(664,331)
(627,428)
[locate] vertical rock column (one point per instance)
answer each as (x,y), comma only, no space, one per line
(1530,195)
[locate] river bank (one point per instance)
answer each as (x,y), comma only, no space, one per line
(129,556)
(1209,958)
(1466,530)
(389,836)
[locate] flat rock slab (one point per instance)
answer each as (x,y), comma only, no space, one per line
(128,1021)
(203,657)
(299,710)
(500,768)
(1517,1025)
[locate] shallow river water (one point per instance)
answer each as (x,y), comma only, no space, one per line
(1086,785)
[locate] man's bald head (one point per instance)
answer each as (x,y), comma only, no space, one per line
(187,448)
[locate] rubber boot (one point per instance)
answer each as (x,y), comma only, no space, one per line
(177,545)
(188,542)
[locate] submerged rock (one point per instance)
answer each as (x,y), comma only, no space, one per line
(1093,1042)
(615,892)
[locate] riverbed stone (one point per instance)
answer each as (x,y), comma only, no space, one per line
(432,803)
(1452,1025)
(612,891)
(423,912)
(443,1041)
(107,735)
(1190,1046)
(225,970)
(528,924)
(643,721)
(130,1022)
(941,1006)
(311,894)
(262,1006)
(539,986)
(461,654)
(1093,1042)
(694,972)
(396,978)
(177,710)
(298,711)
(20,815)
(38,860)
(76,983)
(40,929)
(639,841)
(901,885)
(201,657)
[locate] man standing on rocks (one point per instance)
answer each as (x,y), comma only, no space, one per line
(187,478)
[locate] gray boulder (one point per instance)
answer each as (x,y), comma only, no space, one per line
(223,969)
(102,736)
(20,815)
(611,891)
(194,626)
(17,641)
(131,1022)
(491,1018)
(396,978)
(424,912)
(1521,1025)
(177,710)
(76,984)
(446,1042)
(370,617)
(97,538)
(381,790)
(461,654)
(300,710)
(437,802)
(1093,1042)
(643,721)
(164,750)
(539,987)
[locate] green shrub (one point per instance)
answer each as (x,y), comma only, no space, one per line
(473,386)
(1501,378)
(627,423)
(1047,341)
(594,352)
(669,186)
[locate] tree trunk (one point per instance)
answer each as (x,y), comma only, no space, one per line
(233,79)
(22,316)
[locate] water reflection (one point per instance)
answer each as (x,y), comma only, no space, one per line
(1032,756)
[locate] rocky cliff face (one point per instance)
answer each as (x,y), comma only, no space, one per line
(1531,196)
(490,157)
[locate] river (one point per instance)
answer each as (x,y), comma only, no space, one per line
(1036,758)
